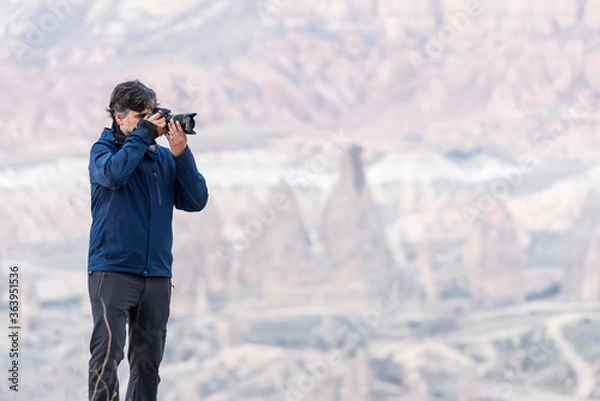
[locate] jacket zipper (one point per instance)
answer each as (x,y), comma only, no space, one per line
(150,219)
(158,189)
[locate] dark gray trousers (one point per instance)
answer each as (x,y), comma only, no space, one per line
(142,303)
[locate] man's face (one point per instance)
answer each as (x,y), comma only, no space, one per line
(129,122)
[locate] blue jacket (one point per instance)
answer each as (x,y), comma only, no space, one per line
(134,187)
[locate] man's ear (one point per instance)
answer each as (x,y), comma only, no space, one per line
(118,118)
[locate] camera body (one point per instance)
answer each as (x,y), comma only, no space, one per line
(186,120)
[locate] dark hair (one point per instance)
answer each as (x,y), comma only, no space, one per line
(131,95)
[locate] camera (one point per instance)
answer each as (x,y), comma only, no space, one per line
(186,120)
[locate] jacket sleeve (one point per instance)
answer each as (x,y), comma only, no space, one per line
(112,170)
(191,192)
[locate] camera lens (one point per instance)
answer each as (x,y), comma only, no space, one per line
(187,122)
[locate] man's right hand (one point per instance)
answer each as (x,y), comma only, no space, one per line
(160,122)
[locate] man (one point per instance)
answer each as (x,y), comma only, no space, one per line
(134,186)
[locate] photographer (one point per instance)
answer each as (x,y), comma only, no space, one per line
(135,184)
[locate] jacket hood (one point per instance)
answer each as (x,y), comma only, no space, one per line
(108,135)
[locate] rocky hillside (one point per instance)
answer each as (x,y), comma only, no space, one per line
(458,77)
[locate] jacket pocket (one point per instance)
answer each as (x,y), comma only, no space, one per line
(158,189)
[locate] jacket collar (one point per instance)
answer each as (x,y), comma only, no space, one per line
(115,136)
(118,135)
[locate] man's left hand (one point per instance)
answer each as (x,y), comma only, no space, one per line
(177,138)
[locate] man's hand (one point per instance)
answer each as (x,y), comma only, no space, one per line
(160,122)
(177,138)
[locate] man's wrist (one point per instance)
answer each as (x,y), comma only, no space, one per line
(150,127)
(182,152)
